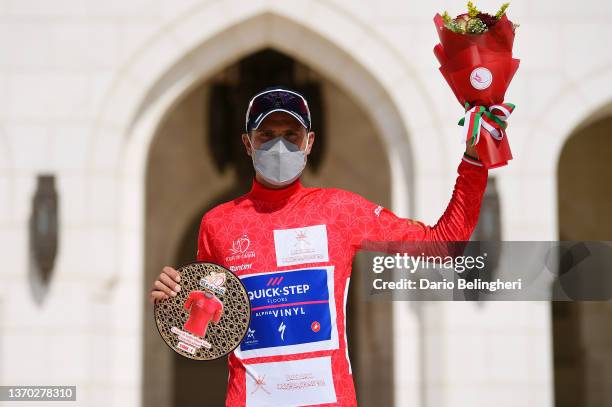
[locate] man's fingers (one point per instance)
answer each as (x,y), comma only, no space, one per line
(172,273)
(162,287)
(169,282)
(165,286)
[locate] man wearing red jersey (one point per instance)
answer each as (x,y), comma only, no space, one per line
(292,246)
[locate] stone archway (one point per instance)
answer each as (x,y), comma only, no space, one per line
(581,332)
(181,164)
(162,74)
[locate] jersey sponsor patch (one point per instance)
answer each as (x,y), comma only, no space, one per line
(283,383)
(301,245)
(291,312)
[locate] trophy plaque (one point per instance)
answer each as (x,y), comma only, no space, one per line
(208,318)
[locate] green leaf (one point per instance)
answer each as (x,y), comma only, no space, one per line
(502,10)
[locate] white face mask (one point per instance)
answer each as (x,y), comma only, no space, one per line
(278,161)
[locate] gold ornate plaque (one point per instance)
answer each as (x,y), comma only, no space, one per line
(208,318)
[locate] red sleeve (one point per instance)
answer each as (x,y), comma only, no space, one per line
(371,222)
(219,312)
(189,301)
(204,252)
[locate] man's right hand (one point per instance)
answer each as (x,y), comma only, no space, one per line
(166,285)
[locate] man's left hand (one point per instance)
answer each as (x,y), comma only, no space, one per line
(471,150)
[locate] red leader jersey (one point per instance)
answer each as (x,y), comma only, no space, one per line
(202,309)
(293,249)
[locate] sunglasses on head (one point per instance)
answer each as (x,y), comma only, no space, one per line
(273,100)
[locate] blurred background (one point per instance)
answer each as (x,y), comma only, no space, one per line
(120,126)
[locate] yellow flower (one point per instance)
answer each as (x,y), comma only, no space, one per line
(446,17)
(472,10)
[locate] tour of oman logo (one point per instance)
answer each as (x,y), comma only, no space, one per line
(302,244)
(240,249)
(481,78)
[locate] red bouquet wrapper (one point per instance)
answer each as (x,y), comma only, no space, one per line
(478,68)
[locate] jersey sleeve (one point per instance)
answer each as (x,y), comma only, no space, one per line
(189,301)
(204,252)
(373,223)
(218,312)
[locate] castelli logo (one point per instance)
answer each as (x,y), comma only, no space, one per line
(481,78)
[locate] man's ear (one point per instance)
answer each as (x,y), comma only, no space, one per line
(247,144)
(311,139)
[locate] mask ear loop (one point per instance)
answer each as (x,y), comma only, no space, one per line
(252,150)
(307,139)
(250,144)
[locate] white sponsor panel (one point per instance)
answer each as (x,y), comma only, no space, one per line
(283,383)
(278,310)
(301,245)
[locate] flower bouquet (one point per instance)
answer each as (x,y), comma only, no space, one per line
(475,54)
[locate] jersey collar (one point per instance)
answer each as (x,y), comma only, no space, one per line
(260,192)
